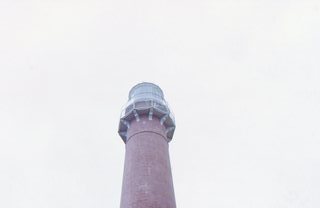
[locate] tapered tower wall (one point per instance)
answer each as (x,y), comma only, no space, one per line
(147,179)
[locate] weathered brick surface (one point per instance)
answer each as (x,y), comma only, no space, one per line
(147,179)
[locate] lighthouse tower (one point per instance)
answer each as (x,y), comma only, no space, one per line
(146,127)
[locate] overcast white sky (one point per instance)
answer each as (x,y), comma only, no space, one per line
(242,77)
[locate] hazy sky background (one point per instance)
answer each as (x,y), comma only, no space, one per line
(242,78)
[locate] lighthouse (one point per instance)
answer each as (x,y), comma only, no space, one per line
(146,126)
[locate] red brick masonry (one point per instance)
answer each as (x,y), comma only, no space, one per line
(147,179)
